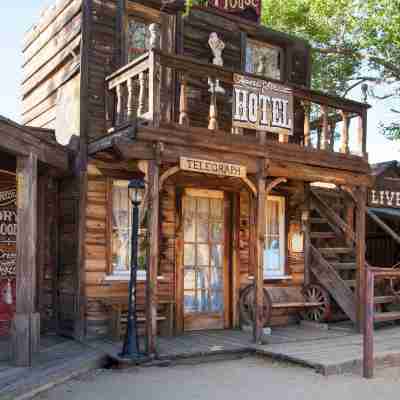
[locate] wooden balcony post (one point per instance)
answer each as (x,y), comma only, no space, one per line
(368,331)
(332,128)
(26,323)
(325,128)
(142,94)
(307,134)
(344,136)
(213,115)
(155,88)
(183,103)
(130,109)
(362,133)
(260,244)
(120,114)
(361,198)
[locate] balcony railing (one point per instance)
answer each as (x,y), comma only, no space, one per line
(164,88)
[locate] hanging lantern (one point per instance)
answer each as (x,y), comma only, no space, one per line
(7,294)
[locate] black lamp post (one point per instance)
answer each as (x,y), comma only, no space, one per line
(130,348)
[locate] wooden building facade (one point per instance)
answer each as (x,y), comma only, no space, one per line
(216,112)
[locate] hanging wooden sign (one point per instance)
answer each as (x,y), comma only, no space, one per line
(262,105)
(212,167)
(386,193)
(248,9)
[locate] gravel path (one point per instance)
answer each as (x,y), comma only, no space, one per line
(233,380)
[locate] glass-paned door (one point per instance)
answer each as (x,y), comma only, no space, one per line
(275,242)
(203,259)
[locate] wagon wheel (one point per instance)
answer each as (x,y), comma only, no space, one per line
(246,306)
(317,294)
(394,283)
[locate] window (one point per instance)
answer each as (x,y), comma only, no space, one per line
(274,251)
(137,38)
(121,230)
(263,59)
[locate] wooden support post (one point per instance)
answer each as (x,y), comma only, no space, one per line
(235,258)
(151,280)
(364,133)
(119,116)
(213,115)
(368,330)
(154,89)
(26,323)
(361,135)
(130,104)
(307,133)
(360,252)
(183,103)
(344,136)
(325,128)
(262,136)
(260,244)
(305,221)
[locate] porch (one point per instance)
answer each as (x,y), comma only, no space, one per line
(329,349)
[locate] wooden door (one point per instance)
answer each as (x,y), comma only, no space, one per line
(204,265)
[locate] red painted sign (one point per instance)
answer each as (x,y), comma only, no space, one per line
(248,9)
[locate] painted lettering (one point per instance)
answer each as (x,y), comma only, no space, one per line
(389,197)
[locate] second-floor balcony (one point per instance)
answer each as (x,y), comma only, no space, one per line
(164,90)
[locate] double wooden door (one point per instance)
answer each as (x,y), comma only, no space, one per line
(204,266)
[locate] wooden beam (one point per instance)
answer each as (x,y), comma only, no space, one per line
(383,225)
(258,324)
(368,329)
(151,283)
(361,196)
(26,324)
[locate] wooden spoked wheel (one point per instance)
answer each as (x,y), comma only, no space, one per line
(246,306)
(394,283)
(317,294)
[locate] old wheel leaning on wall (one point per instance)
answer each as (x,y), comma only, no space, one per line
(315,293)
(247,309)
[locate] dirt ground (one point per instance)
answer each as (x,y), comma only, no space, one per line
(233,380)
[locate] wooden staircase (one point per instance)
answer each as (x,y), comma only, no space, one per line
(332,253)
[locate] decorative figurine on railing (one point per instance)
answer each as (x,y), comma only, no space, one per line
(217,47)
(154,41)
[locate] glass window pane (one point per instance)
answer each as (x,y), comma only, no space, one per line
(217,301)
(217,232)
(138,38)
(203,255)
(216,279)
(188,255)
(216,256)
(202,231)
(203,300)
(203,278)
(202,208)
(190,301)
(216,208)
(189,229)
(190,279)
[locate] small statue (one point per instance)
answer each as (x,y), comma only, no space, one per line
(217,47)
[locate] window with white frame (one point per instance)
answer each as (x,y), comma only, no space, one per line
(275,248)
(121,230)
(263,59)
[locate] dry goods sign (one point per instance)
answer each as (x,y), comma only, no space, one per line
(8,231)
(262,105)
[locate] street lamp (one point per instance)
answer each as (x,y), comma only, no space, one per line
(130,349)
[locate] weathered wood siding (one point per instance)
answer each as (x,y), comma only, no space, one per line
(51,56)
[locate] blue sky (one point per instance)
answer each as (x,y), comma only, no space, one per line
(18,18)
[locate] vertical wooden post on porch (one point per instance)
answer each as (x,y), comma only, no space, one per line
(325,128)
(305,222)
(259,267)
(26,323)
(360,252)
(151,277)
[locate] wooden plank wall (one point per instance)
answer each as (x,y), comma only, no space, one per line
(51,51)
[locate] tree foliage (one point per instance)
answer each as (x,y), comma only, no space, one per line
(354,42)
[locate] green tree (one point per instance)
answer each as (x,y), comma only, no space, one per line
(354,42)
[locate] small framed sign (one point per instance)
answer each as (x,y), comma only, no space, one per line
(262,105)
(212,167)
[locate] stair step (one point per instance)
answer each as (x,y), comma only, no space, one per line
(344,266)
(323,235)
(384,299)
(387,316)
(332,251)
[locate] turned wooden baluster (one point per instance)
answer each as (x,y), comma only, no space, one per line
(119,116)
(142,94)
(130,104)
(307,134)
(183,103)
(360,136)
(325,128)
(213,115)
(344,135)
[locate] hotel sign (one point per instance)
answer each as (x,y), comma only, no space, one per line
(212,167)
(385,194)
(262,105)
(248,9)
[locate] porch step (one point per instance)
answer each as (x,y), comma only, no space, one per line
(384,299)
(322,235)
(333,251)
(344,266)
(387,316)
